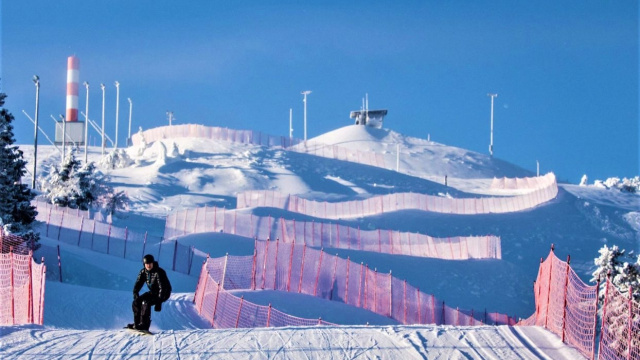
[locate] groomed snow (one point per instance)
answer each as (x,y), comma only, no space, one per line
(84,314)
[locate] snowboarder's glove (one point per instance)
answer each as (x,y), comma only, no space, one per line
(158,307)
(135,295)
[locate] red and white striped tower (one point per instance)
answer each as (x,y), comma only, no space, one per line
(73,76)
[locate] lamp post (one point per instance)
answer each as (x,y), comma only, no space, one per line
(170,117)
(36,81)
(102,87)
(115,145)
(64,138)
(86,122)
(491,143)
(130,109)
(305,93)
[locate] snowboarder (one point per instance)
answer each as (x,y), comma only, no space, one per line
(159,291)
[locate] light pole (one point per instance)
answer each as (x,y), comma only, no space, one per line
(115,145)
(290,125)
(86,122)
(64,138)
(305,93)
(102,87)
(491,143)
(130,109)
(170,117)
(36,81)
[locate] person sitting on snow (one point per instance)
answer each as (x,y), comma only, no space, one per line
(159,291)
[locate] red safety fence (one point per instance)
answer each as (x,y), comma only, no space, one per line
(526,183)
(73,229)
(258,138)
(568,307)
(317,234)
(225,310)
(300,269)
(340,153)
(22,283)
(214,133)
(401,201)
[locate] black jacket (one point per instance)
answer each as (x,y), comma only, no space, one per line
(156,280)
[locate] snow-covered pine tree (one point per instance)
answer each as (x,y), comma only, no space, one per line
(74,185)
(16,210)
(624,270)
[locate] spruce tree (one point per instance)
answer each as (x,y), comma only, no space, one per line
(16,212)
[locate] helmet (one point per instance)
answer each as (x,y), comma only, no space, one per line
(148,259)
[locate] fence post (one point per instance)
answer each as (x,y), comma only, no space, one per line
(304,250)
(546,316)
(595,320)
(269,315)
(290,265)
(444,319)
(59,263)
(93,232)
(629,336)
(315,290)
(11,284)
(275,265)
(126,237)
(346,287)
(224,270)
(253,266)
(390,294)
(80,233)
(360,286)
(30,303)
(215,307)
(405,301)
(42,282)
(239,310)
(564,303)
(175,254)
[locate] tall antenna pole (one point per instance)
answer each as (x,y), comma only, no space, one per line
(491,143)
(102,87)
(36,81)
(64,138)
(86,122)
(290,125)
(170,117)
(305,93)
(115,145)
(130,109)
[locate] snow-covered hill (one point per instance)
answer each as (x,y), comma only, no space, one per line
(175,174)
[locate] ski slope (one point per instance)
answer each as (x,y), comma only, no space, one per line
(84,314)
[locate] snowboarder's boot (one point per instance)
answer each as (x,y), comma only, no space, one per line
(143,325)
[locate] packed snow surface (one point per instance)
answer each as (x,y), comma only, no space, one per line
(84,314)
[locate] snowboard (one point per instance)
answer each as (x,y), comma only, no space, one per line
(139,332)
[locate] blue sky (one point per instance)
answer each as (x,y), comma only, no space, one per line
(566,73)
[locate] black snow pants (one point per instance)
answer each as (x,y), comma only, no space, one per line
(142,309)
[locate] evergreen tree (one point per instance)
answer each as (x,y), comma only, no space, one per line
(623,269)
(16,211)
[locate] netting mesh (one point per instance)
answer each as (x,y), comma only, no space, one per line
(298,268)
(21,289)
(331,235)
(620,334)
(545,189)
